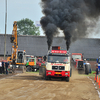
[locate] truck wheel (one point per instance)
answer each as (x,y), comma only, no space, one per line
(45,77)
(70,72)
(67,79)
(28,69)
(90,71)
(86,69)
(24,69)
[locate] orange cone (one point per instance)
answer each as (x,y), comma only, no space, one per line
(95,78)
(99,82)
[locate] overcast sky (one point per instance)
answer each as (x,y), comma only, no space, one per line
(19,9)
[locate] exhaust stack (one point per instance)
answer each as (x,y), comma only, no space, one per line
(48,51)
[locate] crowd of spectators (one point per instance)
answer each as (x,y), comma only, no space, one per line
(4,67)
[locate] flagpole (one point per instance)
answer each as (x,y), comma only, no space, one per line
(5,27)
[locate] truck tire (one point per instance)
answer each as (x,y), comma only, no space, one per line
(90,70)
(87,69)
(24,69)
(67,79)
(45,77)
(28,69)
(70,72)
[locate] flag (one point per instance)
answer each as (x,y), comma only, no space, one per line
(37,23)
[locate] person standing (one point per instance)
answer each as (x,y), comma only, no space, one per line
(0,67)
(7,66)
(97,71)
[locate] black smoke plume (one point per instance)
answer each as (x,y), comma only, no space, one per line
(71,16)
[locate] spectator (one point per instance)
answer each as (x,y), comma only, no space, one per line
(3,64)
(0,67)
(97,71)
(7,67)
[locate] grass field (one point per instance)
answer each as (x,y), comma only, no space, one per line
(89,74)
(33,72)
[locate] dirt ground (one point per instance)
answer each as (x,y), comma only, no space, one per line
(31,86)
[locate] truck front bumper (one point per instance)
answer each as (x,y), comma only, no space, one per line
(52,73)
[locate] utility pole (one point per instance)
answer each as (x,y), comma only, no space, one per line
(5,27)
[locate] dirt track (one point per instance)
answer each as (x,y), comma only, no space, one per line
(29,86)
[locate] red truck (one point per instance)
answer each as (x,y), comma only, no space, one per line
(77,58)
(39,61)
(79,63)
(57,65)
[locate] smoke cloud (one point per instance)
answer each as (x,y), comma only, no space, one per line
(71,16)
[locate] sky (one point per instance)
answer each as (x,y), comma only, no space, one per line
(19,9)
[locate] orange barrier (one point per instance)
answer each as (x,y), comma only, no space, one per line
(97,79)
(99,83)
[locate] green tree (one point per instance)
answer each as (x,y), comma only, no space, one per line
(27,27)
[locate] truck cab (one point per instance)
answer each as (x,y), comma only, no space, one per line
(31,64)
(57,65)
(77,60)
(21,57)
(39,61)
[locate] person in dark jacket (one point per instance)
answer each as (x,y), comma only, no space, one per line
(7,66)
(97,71)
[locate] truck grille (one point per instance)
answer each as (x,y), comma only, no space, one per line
(55,67)
(61,67)
(58,67)
(80,64)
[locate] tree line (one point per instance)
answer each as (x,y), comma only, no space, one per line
(27,27)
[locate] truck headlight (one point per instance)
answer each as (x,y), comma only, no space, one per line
(17,66)
(66,73)
(49,72)
(10,66)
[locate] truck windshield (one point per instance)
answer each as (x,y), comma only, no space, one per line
(40,60)
(20,57)
(31,60)
(58,59)
(76,57)
(27,58)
